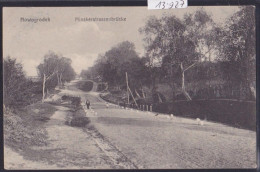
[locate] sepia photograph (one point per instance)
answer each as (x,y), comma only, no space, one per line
(129,88)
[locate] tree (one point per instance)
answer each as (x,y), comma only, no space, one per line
(203,32)
(114,63)
(16,86)
(52,65)
(86,74)
(177,45)
(117,58)
(47,70)
(237,48)
(112,67)
(65,72)
(138,73)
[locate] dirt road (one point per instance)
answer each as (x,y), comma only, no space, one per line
(68,148)
(127,138)
(150,141)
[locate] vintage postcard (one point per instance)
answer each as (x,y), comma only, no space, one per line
(129,88)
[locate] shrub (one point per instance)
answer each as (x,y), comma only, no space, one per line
(64,97)
(17,89)
(79,121)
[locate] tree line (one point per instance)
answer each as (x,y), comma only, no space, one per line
(19,90)
(179,52)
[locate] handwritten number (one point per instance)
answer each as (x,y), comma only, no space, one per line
(177,2)
(163,5)
(174,4)
(182,3)
(171,5)
(158,5)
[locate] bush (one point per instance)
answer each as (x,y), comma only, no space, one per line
(79,121)
(236,113)
(18,90)
(65,97)
(74,100)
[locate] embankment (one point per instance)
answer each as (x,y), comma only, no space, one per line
(241,114)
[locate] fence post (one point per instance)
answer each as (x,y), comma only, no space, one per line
(151,108)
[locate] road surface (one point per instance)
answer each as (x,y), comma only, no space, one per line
(148,141)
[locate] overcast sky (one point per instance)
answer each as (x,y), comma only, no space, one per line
(81,41)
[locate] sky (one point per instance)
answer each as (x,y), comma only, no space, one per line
(28,42)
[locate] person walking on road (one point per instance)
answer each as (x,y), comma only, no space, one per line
(88,104)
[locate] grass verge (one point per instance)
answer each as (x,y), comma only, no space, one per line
(77,116)
(23,127)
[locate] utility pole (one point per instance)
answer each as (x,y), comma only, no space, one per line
(127,87)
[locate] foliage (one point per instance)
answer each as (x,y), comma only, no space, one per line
(18,90)
(192,52)
(113,65)
(85,74)
(79,121)
(237,47)
(56,67)
(175,45)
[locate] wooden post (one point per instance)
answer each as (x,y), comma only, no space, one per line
(147,109)
(132,96)
(58,79)
(143,93)
(151,108)
(186,94)
(43,87)
(127,87)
